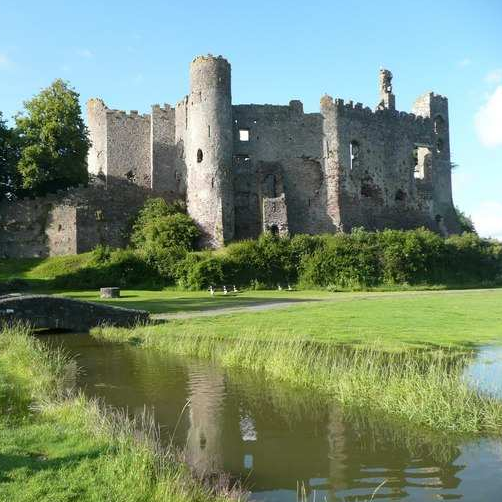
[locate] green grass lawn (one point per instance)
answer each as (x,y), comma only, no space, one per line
(172,301)
(462,318)
(39,272)
(441,317)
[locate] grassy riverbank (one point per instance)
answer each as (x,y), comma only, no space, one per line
(382,371)
(62,449)
(424,389)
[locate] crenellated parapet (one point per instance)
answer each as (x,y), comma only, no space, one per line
(236,165)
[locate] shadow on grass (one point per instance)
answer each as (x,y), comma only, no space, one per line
(186,304)
(34,462)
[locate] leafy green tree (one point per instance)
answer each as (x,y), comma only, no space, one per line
(153,209)
(466,223)
(9,156)
(163,234)
(170,231)
(55,140)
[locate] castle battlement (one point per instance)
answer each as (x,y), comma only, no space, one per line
(358,109)
(349,165)
(243,169)
(121,114)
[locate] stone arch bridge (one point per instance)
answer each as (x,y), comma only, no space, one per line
(54,312)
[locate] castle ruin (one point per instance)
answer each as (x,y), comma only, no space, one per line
(246,169)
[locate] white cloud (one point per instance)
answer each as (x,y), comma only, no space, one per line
(487,219)
(4,60)
(85,53)
(488,120)
(465,62)
(494,77)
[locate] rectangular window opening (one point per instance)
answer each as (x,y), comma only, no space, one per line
(243,134)
(242,158)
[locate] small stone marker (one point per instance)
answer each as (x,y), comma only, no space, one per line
(109,292)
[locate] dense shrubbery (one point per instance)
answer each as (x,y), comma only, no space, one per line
(117,267)
(162,235)
(162,253)
(347,261)
(342,261)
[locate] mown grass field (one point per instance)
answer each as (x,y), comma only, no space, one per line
(41,271)
(393,319)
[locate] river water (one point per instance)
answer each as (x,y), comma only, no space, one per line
(277,439)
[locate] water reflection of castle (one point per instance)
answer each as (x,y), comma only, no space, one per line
(282,449)
(274,438)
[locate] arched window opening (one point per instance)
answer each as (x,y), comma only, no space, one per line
(439,124)
(439,145)
(400,195)
(354,154)
(199,155)
(421,162)
(354,150)
(274,230)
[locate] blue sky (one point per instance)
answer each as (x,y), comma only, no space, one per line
(133,54)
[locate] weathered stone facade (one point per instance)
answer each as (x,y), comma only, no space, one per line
(243,169)
(71,221)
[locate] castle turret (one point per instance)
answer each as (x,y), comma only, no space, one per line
(435,107)
(209,140)
(387,99)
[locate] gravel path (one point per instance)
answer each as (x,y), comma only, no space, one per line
(230,310)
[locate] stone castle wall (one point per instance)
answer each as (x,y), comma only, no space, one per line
(69,222)
(371,155)
(128,147)
(245,169)
(282,154)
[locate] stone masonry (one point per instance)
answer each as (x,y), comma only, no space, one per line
(245,169)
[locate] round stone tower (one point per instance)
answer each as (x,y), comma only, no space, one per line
(209,150)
